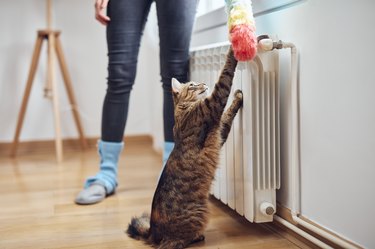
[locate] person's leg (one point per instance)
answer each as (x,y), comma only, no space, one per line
(175,20)
(124,33)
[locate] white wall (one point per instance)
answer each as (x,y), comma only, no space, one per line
(83,41)
(337,118)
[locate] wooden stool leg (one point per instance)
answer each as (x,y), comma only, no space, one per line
(69,88)
(52,79)
(30,79)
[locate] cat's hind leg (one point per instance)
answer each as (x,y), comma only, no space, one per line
(197,239)
(228,116)
(173,244)
(180,244)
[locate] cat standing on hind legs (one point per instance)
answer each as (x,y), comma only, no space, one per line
(179,212)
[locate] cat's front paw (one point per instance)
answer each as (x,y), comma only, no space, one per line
(238,95)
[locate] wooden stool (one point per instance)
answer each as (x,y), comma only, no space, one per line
(54,46)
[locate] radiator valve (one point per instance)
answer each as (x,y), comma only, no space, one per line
(265,43)
(267,208)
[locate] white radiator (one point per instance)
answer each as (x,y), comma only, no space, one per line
(249,171)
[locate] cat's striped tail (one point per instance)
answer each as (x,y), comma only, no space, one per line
(139,227)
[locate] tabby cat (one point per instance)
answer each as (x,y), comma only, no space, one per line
(179,208)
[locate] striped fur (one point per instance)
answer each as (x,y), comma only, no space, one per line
(179,208)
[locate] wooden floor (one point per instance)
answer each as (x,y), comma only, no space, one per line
(37,208)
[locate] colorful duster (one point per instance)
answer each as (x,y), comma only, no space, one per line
(241,26)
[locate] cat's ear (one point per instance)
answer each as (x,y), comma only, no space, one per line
(176,85)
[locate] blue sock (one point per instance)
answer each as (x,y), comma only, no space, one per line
(168,147)
(107,176)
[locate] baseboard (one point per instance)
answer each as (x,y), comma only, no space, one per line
(286,214)
(71,144)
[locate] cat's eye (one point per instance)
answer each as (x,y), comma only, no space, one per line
(192,86)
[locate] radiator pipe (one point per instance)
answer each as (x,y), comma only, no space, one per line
(301,232)
(268,44)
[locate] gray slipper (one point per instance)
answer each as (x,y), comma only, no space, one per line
(91,195)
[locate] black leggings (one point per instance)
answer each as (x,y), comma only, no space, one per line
(124,31)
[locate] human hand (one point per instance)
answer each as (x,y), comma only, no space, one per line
(100,5)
